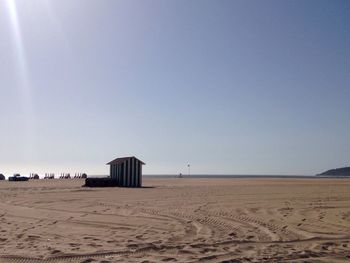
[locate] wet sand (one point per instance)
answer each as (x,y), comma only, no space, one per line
(176,220)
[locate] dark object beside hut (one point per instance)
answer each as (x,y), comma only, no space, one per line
(84,176)
(2,177)
(18,178)
(100,182)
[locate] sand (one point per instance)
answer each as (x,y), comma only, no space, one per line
(176,220)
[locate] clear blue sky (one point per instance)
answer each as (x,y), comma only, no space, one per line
(243,87)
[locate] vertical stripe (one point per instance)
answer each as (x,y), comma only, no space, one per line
(130,166)
(126,173)
(136,169)
(137,174)
(121,174)
(136,163)
(118,168)
(118,174)
(129,173)
(140,174)
(132,172)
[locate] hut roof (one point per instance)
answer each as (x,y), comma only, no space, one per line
(123,159)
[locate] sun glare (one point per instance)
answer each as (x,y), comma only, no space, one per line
(22,74)
(19,48)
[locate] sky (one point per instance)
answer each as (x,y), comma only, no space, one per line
(229,87)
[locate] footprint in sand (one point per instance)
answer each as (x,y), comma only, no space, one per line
(168,259)
(74,245)
(94,245)
(87,260)
(132,246)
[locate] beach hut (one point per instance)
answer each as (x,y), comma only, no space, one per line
(126,171)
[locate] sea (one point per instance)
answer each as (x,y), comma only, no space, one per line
(238,176)
(227,176)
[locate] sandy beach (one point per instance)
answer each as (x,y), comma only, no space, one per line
(176,220)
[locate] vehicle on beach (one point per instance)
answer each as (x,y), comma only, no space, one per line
(18,177)
(2,177)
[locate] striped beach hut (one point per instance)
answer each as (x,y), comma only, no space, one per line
(126,171)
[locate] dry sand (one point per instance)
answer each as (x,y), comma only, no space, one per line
(177,220)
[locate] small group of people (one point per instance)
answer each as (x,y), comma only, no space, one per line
(80,176)
(34,176)
(49,176)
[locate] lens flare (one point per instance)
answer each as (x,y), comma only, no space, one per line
(22,76)
(18,42)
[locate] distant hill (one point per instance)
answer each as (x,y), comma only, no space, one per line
(345,171)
